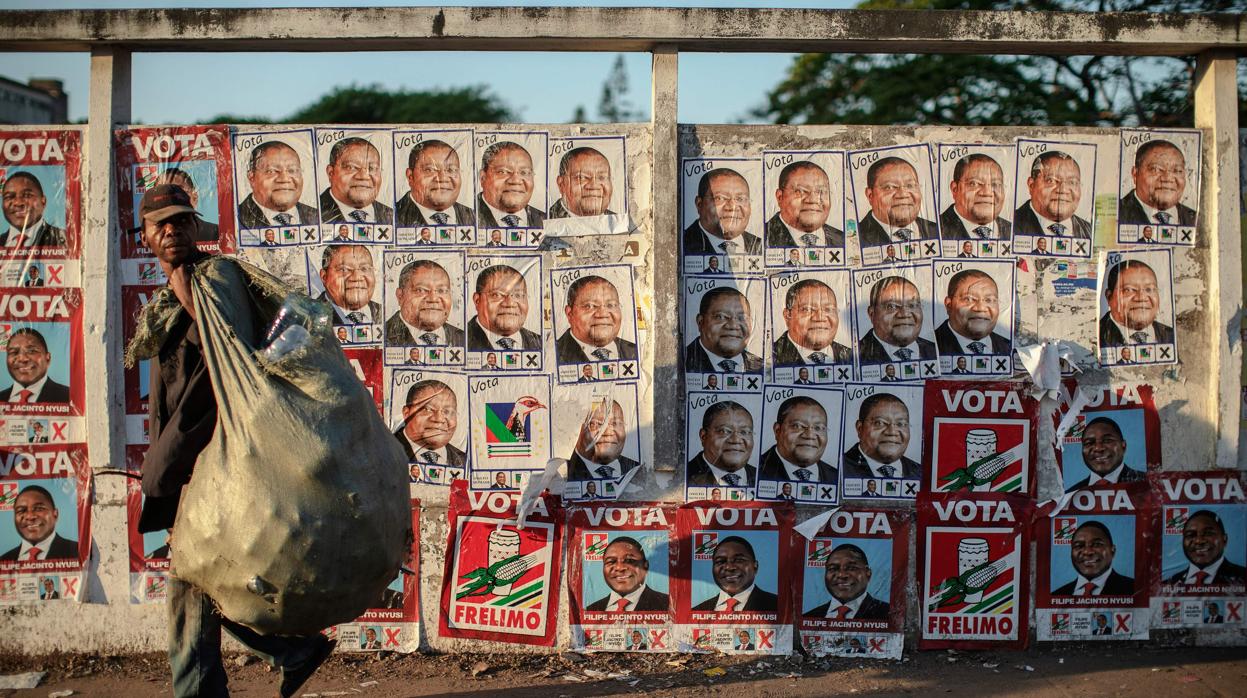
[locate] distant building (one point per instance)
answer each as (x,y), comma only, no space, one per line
(42,101)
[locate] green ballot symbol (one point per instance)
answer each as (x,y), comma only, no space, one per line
(501,574)
(976,573)
(983,464)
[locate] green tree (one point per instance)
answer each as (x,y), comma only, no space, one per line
(1001,90)
(374,104)
(614,106)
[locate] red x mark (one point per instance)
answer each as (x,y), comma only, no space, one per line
(71,587)
(766,639)
(1123,622)
(58,431)
(1234,611)
(876,644)
(658,639)
(391,636)
(54,273)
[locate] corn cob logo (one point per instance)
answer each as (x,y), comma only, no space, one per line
(1175,520)
(1060,623)
(1063,530)
(981,472)
(704,545)
(817,553)
(595,546)
(972,582)
(503,573)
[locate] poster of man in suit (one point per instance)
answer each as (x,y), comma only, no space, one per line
(435,171)
(48,526)
(1158,195)
(893,323)
(513,196)
(1054,185)
(588,186)
(275,187)
(722,444)
(428,415)
(1137,307)
(811,326)
(882,441)
(505,299)
(723,330)
(604,441)
(346,277)
(976,202)
(894,202)
(803,207)
(354,183)
(423,305)
(41,335)
(721,213)
(41,186)
(800,444)
(972,309)
(594,323)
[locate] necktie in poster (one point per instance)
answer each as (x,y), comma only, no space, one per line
(1092,573)
(619,563)
(1203,547)
(853,589)
(973,554)
(980,437)
(1115,438)
(734,592)
(500,582)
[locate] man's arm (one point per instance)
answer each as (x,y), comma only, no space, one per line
(192,421)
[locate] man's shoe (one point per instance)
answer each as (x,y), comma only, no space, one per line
(293,679)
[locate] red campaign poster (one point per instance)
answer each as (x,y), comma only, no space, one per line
(41,179)
(393,625)
(620,559)
(980,437)
(734,587)
(133,298)
(1114,439)
(369,369)
(973,557)
(196,158)
(1092,579)
(149,552)
(852,595)
(42,392)
(45,523)
(1199,579)
(501,581)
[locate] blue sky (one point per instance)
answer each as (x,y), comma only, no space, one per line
(540,87)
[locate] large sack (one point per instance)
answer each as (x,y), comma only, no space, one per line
(297,516)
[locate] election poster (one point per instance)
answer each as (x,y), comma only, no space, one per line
(275,187)
(800,443)
(393,624)
(620,560)
(980,437)
(344,275)
(369,370)
(41,182)
(976,203)
(1201,581)
(1055,185)
(723,318)
(137,380)
(588,186)
(356,191)
(436,171)
(42,393)
(429,417)
(1136,309)
(896,335)
(501,580)
(894,201)
(734,565)
(1093,574)
(195,158)
(422,307)
(149,552)
(594,323)
(1115,439)
(721,445)
(600,437)
(721,214)
(973,310)
(882,441)
(811,330)
(511,430)
(803,206)
(504,329)
(46,491)
(512,205)
(852,594)
(1158,198)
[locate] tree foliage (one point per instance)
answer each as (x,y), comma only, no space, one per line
(374,104)
(614,106)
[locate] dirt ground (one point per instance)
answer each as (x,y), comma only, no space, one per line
(1067,670)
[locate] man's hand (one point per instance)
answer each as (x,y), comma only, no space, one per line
(180,282)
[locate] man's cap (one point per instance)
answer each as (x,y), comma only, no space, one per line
(163,201)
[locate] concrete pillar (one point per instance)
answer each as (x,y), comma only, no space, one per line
(668,378)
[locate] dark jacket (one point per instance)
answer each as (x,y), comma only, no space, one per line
(698,474)
(479,341)
(1128,474)
(773,469)
(650,600)
(333,214)
(949,346)
(51,392)
(871,350)
(568,350)
(454,457)
(559,210)
(409,215)
(59,549)
(696,360)
(870,609)
(536,218)
(250,215)
(397,334)
(1027,223)
(696,242)
(373,307)
(855,465)
(1115,585)
(951,227)
(784,353)
(1227,573)
(47,235)
(1110,335)
(1130,212)
(778,235)
(759,600)
(873,234)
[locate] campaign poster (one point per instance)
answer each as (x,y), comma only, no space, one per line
(149,552)
(369,370)
(1203,547)
(1114,440)
(600,436)
(723,316)
(721,214)
(1158,198)
(393,624)
(896,334)
(976,203)
(46,493)
(811,327)
(137,380)
(594,323)
(42,393)
(344,275)
(436,172)
(512,204)
(355,190)
(980,437)
(1055,185)
(501,581)
(800,443)
(853,585)
(275,188)
(882,441)
(511,431)
(803,206)
(504,329)
(1093,575)
(429,417)
(973,561)
(1136,309)
(588,186)
(894,201)
(973,309)
(195,158)
(286,263)
(722,446)
(422,308)
(735,565)
(41,182)
(619,576)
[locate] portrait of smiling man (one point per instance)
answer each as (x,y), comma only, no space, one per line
(1091,552)
(1104,454)
(973,306)
(350,278)
(584,183)
(724,205)
(883,432)
(978,189)
(895,196)
(724,326)
(1159,174)
(1203,542)
(625,569)
(35,516)
(275,175)
(803,198)
(1132,294)
(594,317)
(846,574)
(507,180)
(600,442)
(501,301)
(24,204)
(800,430)
(354,173)
(734,566)
(895,312)
(812,319)
(434,179)
(1055,188)
(28,359)
(726,436)
(430,417)
(425,300)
